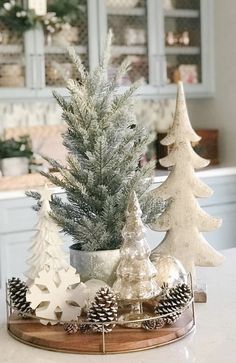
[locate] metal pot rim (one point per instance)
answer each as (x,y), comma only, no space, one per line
(73,247)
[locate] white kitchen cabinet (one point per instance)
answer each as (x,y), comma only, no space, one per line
(140,30)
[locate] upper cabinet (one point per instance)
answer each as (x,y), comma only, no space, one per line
(165,41)
(13,64)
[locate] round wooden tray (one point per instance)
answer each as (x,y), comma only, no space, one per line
(120,340)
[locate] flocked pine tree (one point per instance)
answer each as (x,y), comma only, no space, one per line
(104,144)
(45,250)
(184,219)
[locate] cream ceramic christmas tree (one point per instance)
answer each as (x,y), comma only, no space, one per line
(184,219)
(135,273)
(45,250)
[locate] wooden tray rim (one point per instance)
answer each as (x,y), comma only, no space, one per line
(190,326)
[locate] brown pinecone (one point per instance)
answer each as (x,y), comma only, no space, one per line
(103,309)
(175,299)
(85,328)
(17,292)
(71,328)
(153,324)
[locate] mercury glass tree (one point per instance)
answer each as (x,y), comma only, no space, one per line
(135,273)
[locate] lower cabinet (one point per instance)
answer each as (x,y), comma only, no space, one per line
(14,253)
(225,236)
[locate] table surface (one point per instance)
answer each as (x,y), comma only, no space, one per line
(214,340)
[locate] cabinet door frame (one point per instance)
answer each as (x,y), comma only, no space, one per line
(207,87)
(150,89)
(34,52)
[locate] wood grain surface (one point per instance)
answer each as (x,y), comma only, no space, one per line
(120,340)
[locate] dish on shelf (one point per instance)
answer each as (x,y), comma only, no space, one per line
(10,70)
(57,71)
(12,81)
(121,3)
(188,73)
(134,36)
(66,36)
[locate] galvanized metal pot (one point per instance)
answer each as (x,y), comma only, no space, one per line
(99,265)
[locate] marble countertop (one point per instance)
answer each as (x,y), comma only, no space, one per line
(214,340)
(14,187)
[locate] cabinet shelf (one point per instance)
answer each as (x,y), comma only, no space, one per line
(129,50)
(182,50)
(53,49)
(126,11)
(11,48)
(181,13)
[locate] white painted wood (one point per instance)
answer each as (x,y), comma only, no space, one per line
(45,249)
(93,44)
(54,49)
(181,13)
(10,48)
(126,11)
(57,290)
(182,50)
(184,219)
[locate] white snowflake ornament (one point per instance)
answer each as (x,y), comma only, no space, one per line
(57,298)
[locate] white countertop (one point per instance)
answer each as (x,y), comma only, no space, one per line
(213,171)
(214,340)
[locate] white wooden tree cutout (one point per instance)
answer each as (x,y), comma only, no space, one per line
(184,219)
(59,299)
(45,248)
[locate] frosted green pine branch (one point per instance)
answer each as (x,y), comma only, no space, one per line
(105,144)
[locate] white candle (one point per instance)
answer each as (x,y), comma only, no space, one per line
(39,6)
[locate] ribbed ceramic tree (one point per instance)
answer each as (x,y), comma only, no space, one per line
(184,219)
(45,250)
(135,273)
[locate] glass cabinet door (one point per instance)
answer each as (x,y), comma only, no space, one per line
(12,60)
(182,27)
(58,37)
(128,21)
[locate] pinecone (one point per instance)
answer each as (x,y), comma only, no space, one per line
(103,309)
(175,299)
(17,292)
(153,324)
(85,328)
(71,328)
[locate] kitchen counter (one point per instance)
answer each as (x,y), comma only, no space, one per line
(14,187)
(214,340)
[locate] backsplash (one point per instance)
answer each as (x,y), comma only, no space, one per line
(155,114)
